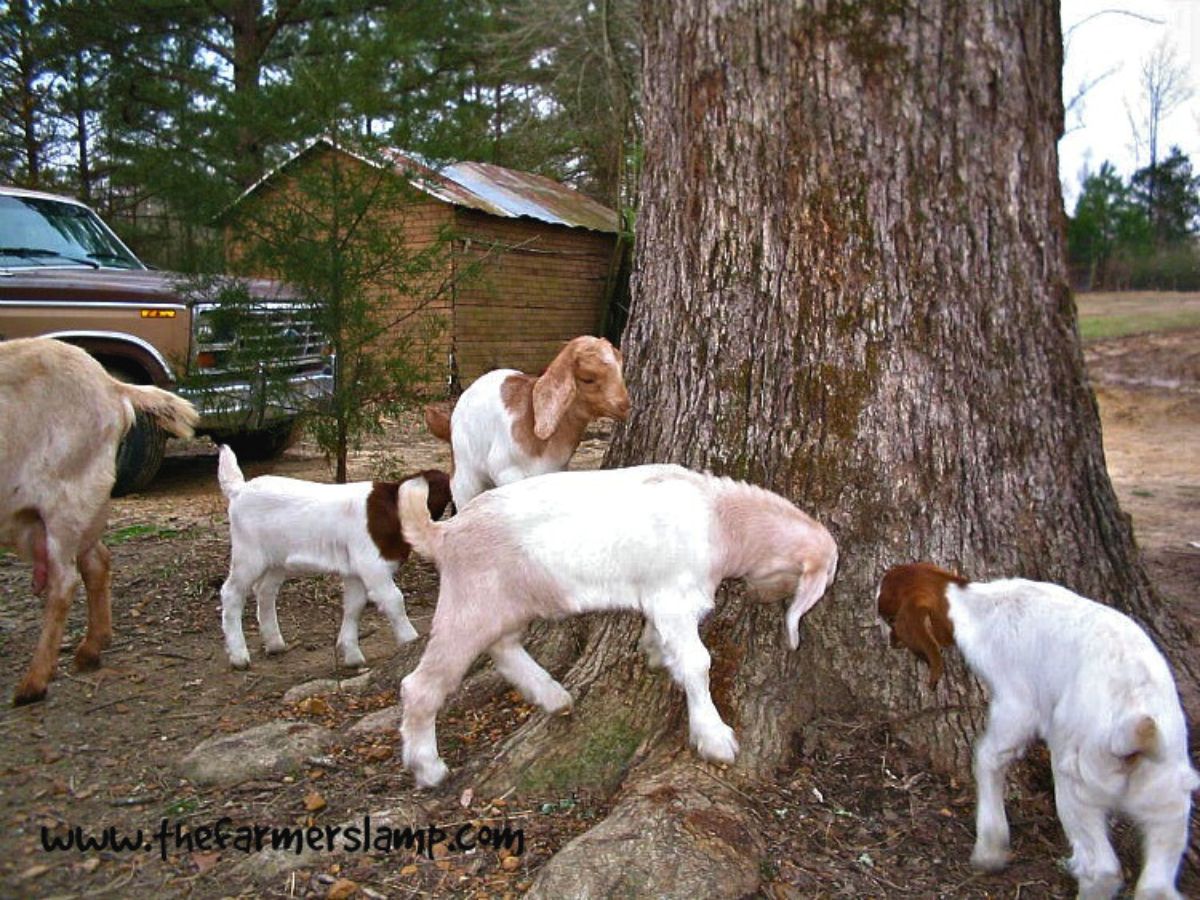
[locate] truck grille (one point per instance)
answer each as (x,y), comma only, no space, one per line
(279,338)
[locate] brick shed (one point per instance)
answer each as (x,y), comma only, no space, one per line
(549,257)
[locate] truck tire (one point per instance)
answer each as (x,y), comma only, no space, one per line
(265,443)
(139,456)
(140,453)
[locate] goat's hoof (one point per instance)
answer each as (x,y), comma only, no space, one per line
(406,635)
(274,649)
(87,659)
(559,703)
(1102,887)
(240,662)
(989,859)
(431,775)
(354,660)
(718,747)
(29,693)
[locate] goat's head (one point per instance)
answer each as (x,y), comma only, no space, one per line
(587,373)
(912,603)
(439,491)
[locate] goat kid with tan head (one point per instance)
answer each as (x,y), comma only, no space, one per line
(1084,678)
(508,425)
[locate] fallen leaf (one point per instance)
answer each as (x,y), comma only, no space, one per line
(465,798)
(314,706)
(205,861)
(341,889)
(410,869)
(34,872)
(314,802)
(510,863)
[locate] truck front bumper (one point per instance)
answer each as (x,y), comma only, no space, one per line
(250,406)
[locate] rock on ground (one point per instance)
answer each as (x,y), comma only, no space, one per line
(266,751)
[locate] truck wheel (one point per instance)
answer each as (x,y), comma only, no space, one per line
(265,443)
(140,453)
(139,456)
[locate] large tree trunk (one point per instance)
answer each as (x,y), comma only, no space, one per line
(851,289)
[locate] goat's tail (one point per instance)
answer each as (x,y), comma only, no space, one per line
(416,524)
(1136,735)
(172,413)
(817,577)
(437,420)
(228,473)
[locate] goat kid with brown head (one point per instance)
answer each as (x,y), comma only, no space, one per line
(508,425)
(1084,678)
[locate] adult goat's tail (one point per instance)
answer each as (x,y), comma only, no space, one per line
(416,524)
(172,413)
(228,473)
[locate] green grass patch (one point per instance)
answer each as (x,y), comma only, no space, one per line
(136,532)
(1103,316)
(1100,328)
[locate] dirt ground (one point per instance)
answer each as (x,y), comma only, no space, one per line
(859,816)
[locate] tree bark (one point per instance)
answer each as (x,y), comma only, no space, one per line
(851,289)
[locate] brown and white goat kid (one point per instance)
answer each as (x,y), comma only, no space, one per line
(1084,678)
(658,539)
(61,419)
(507,425)
(283,526)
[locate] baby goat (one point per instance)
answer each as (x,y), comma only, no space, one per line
(1084,678)
(507,425)
(62,418)
(658,539)
(282,526)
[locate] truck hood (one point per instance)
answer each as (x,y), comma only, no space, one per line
(111,285)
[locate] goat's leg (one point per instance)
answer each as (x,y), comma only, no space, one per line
(60,588)
(465,486)
(423,691)
(1092,861)
(1163,841)
(523,672)
(233,601)
(390,601)
(1009,731)
(354,599)
(95,565)
(266,589)
(687,660)
(651,646)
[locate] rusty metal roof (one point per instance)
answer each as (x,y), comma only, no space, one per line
(491,189)
(505,192)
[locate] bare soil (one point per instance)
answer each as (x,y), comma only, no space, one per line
(859,815)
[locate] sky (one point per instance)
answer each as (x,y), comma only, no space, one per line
(1118,44)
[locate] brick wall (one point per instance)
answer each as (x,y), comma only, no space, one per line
(540,285)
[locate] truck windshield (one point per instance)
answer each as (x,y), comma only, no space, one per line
(35,231)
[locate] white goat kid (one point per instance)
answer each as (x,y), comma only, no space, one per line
(1087,680)
(508,425)
(283,526)
(658,539)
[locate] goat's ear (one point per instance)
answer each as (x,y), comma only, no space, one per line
(915,629)
(553,393)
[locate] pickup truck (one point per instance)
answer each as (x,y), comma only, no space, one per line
(65,274)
